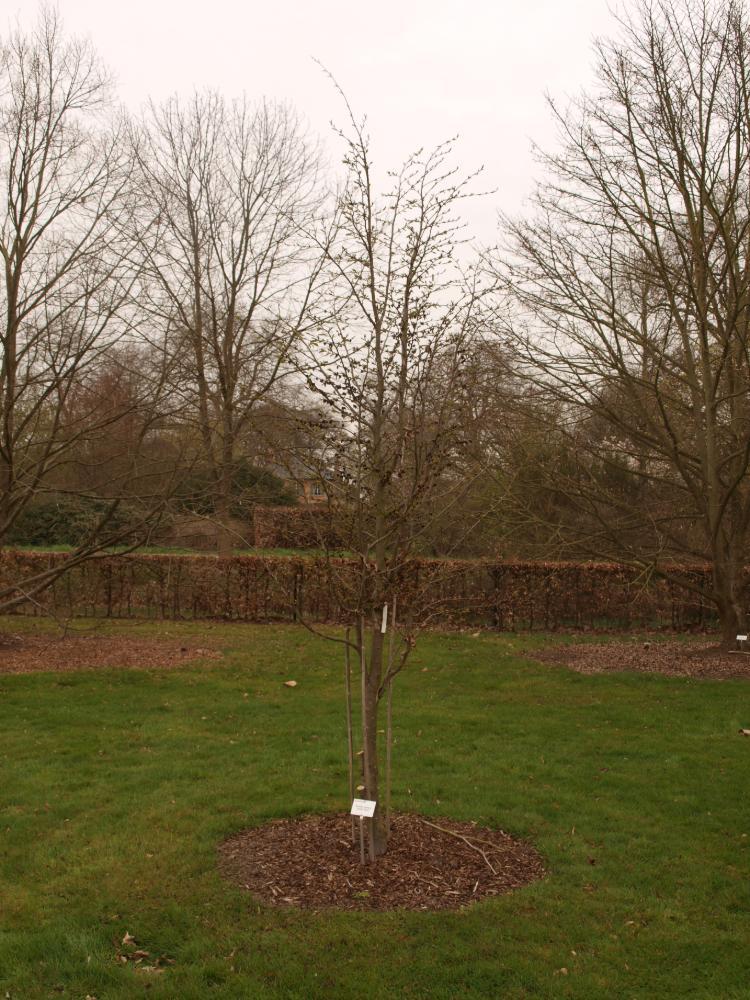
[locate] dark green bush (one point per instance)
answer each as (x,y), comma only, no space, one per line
(64,520)
(250,486)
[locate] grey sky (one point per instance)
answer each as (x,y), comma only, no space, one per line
(422,70)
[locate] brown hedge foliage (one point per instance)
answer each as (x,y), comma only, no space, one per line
(457,593)
(301,527)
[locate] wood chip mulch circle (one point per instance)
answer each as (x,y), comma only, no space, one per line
(310,862)
(26,654)
(694,658)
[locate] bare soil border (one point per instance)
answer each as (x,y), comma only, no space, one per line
(671,658)
(431,864)
(27,654)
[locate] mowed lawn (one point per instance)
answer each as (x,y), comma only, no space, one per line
(117,787)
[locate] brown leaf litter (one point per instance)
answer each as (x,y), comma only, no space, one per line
(436,864)
(25,654)
(128,953)
(672,658)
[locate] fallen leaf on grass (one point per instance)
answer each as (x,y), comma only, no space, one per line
(744,732)
(290,684)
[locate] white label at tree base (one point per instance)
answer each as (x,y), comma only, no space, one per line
(741,638)
(363,807)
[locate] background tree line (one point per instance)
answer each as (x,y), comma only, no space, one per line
(198,314)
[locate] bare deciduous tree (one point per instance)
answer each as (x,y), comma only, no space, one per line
(631,291)
(67,276)
(392,364)
(228,190)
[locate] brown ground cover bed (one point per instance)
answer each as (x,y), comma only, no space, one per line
(25,654)
(311,863)
(692,658)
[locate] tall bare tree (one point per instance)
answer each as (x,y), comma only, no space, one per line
(229,189)
(67,277)
(630,291)
(392,363)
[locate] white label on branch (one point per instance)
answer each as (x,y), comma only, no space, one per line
(363,807)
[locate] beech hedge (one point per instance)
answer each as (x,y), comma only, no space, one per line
(304,526)
(440,593)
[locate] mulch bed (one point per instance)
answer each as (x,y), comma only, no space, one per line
(26,654)
(693,658)
(311,863)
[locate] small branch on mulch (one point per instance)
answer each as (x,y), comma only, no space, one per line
(460,837)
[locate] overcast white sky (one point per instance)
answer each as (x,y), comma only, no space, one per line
(422,70)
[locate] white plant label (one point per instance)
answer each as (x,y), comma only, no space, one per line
(384,623)
(741,638)
(363,807)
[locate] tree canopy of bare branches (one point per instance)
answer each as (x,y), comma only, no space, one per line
(392,359)
(67,277)
(229,189)
(630,289)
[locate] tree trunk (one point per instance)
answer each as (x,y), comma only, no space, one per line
(224,539)
(370,705)
(730,600)
(6,491)
(8,391)
(223,506)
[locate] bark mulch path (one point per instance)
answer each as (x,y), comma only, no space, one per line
(26,654)
(310,863)
(693,658)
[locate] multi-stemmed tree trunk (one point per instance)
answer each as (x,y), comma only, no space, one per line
(631,294)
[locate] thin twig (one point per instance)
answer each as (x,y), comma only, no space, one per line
(460,836)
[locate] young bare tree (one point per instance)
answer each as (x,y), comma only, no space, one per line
(392,364)
(228,190)
(67,277)
(630,292)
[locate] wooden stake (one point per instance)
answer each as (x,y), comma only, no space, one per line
(389,722)
(371,821)
(349,734)
(365,752)
(363,679)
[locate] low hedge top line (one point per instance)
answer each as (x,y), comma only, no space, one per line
(436,592)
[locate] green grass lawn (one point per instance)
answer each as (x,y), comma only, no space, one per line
(117,787)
